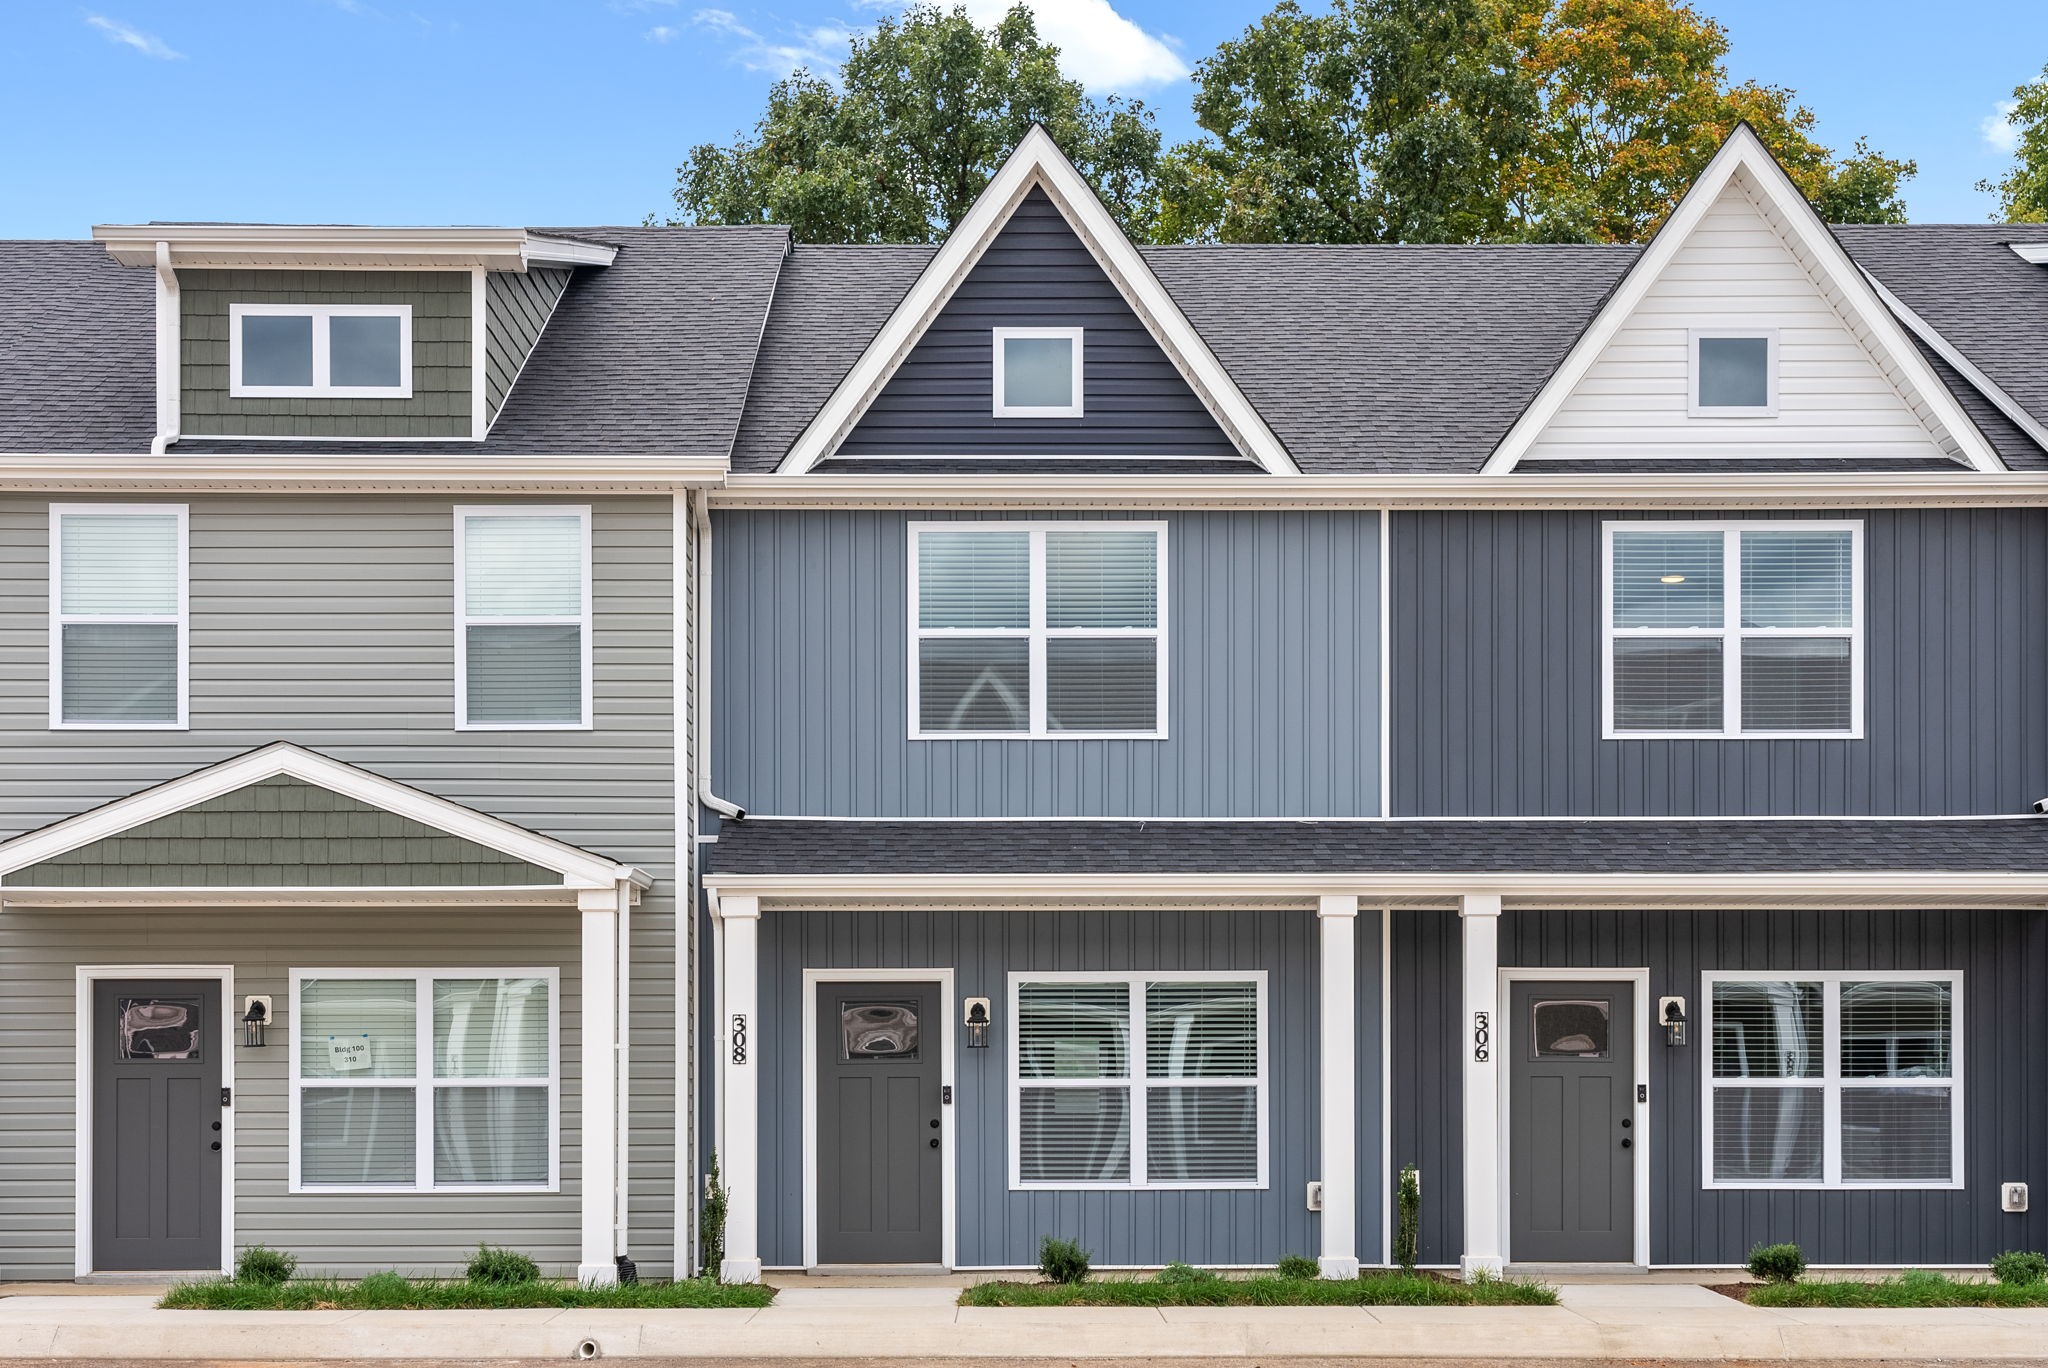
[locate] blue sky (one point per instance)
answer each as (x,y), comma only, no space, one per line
(577,111)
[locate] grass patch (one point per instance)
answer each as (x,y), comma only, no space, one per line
(1916,1287)
(390,1292)
(1266,1289)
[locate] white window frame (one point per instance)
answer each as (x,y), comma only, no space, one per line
(1137,1080)
(59,619)
(322,387)
(423,1081)
(1830,1084)
(1693,406)
(464,621)
(1037,634)
(1730,633)
(1005,409)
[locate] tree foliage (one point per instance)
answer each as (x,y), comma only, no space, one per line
(923,112)
(1482,120)
(2023,190)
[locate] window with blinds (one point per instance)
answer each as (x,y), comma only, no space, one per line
(1734,629)
(416,1082)
(1053,629)
(118,615)
(1833,1080)
(522,629)
(1138,1080)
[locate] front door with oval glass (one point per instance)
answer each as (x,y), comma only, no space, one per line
(881,1123)
(1572,1122)
(156,1125)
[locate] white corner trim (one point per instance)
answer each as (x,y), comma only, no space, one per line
(1744,152)
(1946,350)
(1037,160)
(479,355)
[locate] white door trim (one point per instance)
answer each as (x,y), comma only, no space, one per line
(82,1084)
(1505,1043)
(948,1132)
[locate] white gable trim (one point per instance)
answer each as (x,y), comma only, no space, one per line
(1038,161)
(1745,152)
(578,868)
(1946,350)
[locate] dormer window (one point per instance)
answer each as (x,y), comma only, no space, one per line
(1734,373)
(299,351)
(1038,372)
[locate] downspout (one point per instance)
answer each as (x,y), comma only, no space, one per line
(167,347)
(623,1054)
(701,511)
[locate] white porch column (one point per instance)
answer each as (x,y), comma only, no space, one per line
(600,1109)
(1481,1046)
(1337,914)
(739,1152)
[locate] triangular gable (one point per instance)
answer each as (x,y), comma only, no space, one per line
(1744,248)
(327,823)
(1037,165)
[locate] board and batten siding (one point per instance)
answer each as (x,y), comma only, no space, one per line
(517,306)
(329,622)
(1496,669)
(998,1227)
(1272,677)
(1037,273)
(1738,270)
(440,405)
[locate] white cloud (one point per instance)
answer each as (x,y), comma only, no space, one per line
(663,33)
(146,44)
(1098,47)
(1998,128)
(821,48)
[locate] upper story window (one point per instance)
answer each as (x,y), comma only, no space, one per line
(118,619)
(522,617)
(1734,373)
(1038,372)
(1038,629)
(341,351)
(1734,629)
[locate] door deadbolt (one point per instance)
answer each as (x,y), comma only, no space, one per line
(1627,1143)
(216,1144)
(1627,1121)
(935,1143)
(935,1123)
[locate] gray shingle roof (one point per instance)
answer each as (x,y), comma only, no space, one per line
(77,350)
(796,846)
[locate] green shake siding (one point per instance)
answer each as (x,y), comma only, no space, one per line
(440,405)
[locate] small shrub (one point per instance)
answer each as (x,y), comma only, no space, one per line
(2020,1268)
(1300,1266)
(711,1221)
(384,1289)
(1408,1228)
(1180,1275)
(1777,1263)
(264,1266)
(1062,1261)
(501,1267)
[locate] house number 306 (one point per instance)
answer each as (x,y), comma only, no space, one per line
(1482,1037)
(739,1037)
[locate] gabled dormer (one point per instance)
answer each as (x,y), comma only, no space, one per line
(282,332)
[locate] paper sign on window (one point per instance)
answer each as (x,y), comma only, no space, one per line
(348,1054)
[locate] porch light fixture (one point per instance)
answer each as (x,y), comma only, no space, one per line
(977,1023)
(1671,1016)
(255,1016)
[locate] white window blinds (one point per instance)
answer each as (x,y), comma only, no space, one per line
(523,617)
(118,618)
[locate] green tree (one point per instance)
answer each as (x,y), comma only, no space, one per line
(924,111)
(2023,190)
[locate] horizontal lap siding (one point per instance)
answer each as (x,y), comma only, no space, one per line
(329,623)
(1272,689)
(1501,716)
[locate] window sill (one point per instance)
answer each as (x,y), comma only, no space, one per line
(479,1189)
(120,726)
(1038,736)
(1834,1187)
(1140,1187)
(1731,736)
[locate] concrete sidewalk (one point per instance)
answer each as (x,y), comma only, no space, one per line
(1595,1321)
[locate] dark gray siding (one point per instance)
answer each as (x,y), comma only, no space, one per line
(1037,273)
(1496,677)
(1001,1227)
(1428,1098)
(1273,676)
(516,307)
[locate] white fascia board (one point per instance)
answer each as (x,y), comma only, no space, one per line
(1946,350)
(578,868)
(343,246)
(467,895)
(1744,151)
(1038,161)
(383,472)
(2035,252)
(544,251)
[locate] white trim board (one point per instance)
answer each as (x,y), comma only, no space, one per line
(86,975)
(1038,162)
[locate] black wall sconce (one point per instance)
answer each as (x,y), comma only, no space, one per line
(255,1016)
(1671,1016)
(977,1023)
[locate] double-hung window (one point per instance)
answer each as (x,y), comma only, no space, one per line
(1734,629)
(412,1081)
(1834,1080)
(1138,1080)
(1038,629)
(118,615)
(522,617)
(305,351)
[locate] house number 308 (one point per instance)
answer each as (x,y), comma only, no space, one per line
(1482,1037)
(739,1037)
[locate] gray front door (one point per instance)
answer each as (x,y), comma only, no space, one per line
(1571,1128)
(880,1156)
(156,1128)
